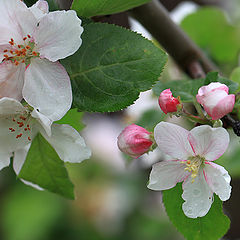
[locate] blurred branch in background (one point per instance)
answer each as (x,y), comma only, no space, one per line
(155,18)
(64,4)
(170,5)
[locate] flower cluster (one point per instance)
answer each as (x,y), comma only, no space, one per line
(192,152)
(31,43)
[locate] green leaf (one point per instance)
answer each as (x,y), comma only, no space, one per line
(235,75)
(73,118)
(213,226)
(44,168)
(214,33)
(104,7)
(188,89)
(112,67)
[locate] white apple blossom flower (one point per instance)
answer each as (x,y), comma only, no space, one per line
(31,42)
(192,152)
(19,125)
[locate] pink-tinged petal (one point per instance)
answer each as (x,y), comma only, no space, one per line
(58,35)
(197,195)
(204,90)
(27,23)
(209,142)
(39,9)
(47,88)
(172,140)
(166,175)
(11,80)
(134,141)
(218,180)
(223,107)
(18,161)
(68,143)
(9,23)
(167,102)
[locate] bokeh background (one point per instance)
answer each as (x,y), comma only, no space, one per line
(112,200)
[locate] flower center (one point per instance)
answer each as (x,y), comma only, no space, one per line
(21,125)
(20,53)
(193,165)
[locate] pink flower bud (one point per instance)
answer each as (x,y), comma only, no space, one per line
(134,141)
(215,100)
(167,102)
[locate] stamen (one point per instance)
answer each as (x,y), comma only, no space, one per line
(19,135)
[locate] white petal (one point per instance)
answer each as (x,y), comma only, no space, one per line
(45,122)
(10,106)
(11,80)
(19,158)
(8,140)
(4,159)
(9,109)
(197,195)
(218,180)
(166,174)
(172,140)
(209,142)
(18,161)
(47,88)
(39,9)
(9,24)
(68,143)
(58,35)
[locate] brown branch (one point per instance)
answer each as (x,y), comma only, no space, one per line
(155,18)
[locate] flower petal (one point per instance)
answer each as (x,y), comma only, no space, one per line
(47,88)
(197,195)
(58,35)
(4,159)
(9,107)
(39,9)
(8,140)
(172,140)
(218,180)
(68,143)
(223,107)
(9,24)
(11,80)
(167,174)
(18,161)
(209,142)
(45,122)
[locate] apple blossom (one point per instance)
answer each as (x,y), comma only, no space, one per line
(215,100)
(18,126)
(167,102)
(134,140)
(192,152)
(31,42)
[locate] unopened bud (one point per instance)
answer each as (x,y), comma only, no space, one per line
(215,100)
(134,141)
(167,102)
